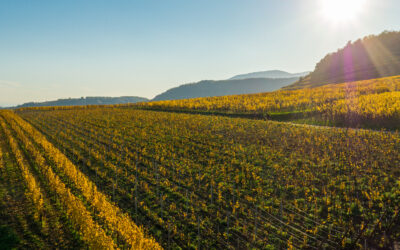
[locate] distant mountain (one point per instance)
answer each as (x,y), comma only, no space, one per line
(225,87)
(367,58)
(269,74)
(86,101)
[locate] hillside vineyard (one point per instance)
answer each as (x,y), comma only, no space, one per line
(213,182)
(225,150)
(370,103)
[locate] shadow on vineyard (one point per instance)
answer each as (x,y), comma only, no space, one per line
(8,239)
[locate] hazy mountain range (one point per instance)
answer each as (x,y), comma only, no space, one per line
(269,74)
(249,83)
(225,87)
(86,101)
(241,84)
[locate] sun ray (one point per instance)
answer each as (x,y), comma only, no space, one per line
(385,63)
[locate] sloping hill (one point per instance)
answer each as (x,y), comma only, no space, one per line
(269,74)
(367,58)
(86,101)
(225,87)
(370,103)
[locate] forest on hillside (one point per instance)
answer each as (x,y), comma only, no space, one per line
(371,57)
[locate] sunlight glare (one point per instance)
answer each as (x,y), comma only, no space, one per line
(342,10)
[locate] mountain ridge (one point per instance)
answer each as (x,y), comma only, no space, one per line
(249,83)
(269,74)
(208,88)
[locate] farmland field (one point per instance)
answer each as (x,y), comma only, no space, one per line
(211,182)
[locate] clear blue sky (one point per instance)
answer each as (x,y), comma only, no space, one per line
(72,48)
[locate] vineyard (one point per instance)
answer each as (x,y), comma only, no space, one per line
(54,203)
(137,177)
(205,182)
(148,125)
(368,104)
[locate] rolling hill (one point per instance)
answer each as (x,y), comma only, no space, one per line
(225,87)
(372,57)
(370,103)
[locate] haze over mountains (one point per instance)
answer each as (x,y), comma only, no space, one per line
(86,101)
(225,87)
(269,74)
(256,82)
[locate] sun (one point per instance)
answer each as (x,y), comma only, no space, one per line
(342,11)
